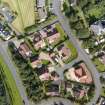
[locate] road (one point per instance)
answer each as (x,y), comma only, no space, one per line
(51,101)
(65,24)
(9,63)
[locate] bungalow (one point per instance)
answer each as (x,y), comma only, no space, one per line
(50,33)
(53,89)
(24,50)
(44,74)
(54,76)
(78,91)
(98,27)
(64,52)
(38,41)
(35,61)
(79,74)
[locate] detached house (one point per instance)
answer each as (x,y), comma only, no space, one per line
(98,27)
(64,52)
(35,61)
(79,74)
(50,33)
(38,41)
(24,50)
(53,89)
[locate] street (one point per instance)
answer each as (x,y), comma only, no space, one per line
(12,68)
(65,24)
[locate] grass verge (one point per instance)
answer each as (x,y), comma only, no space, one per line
(12,89)
(73,51)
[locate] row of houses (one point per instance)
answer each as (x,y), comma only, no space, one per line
(78,91)
(44,39)
(63,53)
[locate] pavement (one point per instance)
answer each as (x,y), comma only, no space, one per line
(12,68)
(56,100)
(81,53)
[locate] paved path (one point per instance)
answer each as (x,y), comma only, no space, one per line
(60,70)
(65,24)
(9,63)
(51,101)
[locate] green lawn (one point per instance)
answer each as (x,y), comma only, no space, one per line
(100,67)
(103,92)
(61,31)
(73,51)
(11,85)
(81,14)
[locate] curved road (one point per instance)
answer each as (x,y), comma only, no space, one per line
(12,68)
(65,24)
(51,101)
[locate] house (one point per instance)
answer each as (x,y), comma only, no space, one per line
(54,76)
(98,27)
(24,50)
(38,41)
(50,33)
(64,52)
(80,73)
(4,33)
(41,7)
(101,101)
(53,89)
(7,13)
(35,61)
(44,74)
(77,90)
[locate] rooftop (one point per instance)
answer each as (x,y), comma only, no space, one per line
(80,74)
(24,50)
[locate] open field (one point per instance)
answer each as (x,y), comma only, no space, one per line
(25,13)
(12,89)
